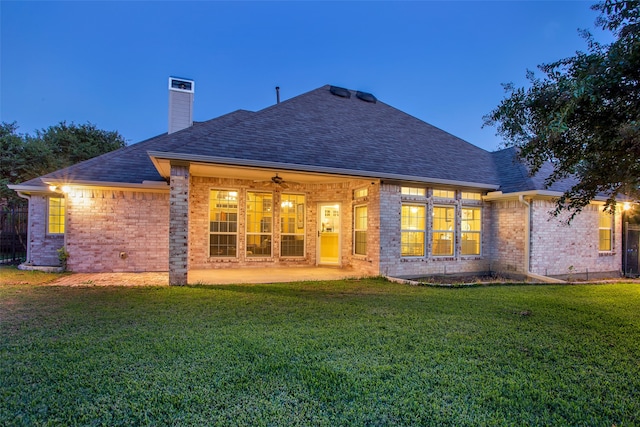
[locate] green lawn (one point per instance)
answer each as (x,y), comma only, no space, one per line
(358,352)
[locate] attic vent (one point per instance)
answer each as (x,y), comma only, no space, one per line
(340,91)
(367,97)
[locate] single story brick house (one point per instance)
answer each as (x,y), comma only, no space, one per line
(330,177)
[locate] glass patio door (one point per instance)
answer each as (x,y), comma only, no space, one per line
(329,233)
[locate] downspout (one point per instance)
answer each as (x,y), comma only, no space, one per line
(527,247)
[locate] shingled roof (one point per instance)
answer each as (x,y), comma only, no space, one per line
(318,129)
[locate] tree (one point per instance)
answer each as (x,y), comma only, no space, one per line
(24,157)
(583,115)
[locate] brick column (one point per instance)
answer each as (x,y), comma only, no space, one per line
(179,223)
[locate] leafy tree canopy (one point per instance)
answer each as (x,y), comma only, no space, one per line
(583,114)
(24,157)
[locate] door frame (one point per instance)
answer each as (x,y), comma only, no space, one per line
(320,206)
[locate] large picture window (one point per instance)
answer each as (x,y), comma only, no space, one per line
(471,231)
(443,230)
(360,230)
(55,220)
(292,225)
(413,230)
(223,223)
(605,232)
(259,223)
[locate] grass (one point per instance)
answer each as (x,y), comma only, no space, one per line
(358,352)
(13,276)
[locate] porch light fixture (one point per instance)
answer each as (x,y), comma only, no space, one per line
(64,189)
(626,206)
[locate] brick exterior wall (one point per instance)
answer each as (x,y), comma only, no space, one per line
(392,264)
(341,193)
(507,231)
(558,249)
(129,231)
(117,231)
(42,248)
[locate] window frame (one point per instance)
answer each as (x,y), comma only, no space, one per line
(300,214)
(357,229)
(451,232)
(262,233)
(61,223)
(417,231)
(463,231)
(413,191)
(609,228)
(225,233)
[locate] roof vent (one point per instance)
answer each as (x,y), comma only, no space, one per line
(367,97)
(340,91)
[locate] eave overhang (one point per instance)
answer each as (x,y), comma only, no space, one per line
(540,194)
(162,162)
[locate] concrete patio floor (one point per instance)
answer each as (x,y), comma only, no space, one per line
(210,277)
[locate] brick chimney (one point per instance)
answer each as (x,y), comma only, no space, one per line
(180,103)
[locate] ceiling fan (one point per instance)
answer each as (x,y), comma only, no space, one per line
(277,180)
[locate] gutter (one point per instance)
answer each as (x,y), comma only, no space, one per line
(527,246)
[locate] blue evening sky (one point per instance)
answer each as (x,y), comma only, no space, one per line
(109,62)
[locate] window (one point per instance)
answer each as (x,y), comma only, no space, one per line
(471,231)
(413,230)
(56,215)
(443,229)
(604,231)
(471,196)
(292,225)
(444,194)
(360,193)
(413,191)
(259,220)
(360,230)
(223,223)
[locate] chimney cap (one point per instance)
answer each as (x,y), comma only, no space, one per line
(181,85)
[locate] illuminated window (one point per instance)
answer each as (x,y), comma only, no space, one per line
(292,225)
(443,230)
(360,230)
(413,230)
(223,223)
(471,196)
(471,231)
(604,231)
(360,193)
(413,191)
(444,194)
(259,220)
(56,215)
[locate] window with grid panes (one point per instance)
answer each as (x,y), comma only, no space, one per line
(292,225)
(605,220)
(360,230)
(471,231)
(259,224)
(443,229)
(223,223)
(412,191)
(55,218)
(413,224)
